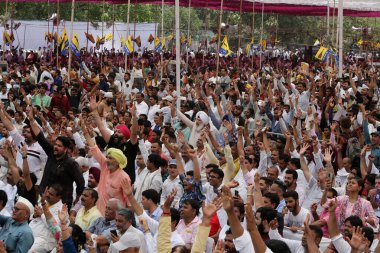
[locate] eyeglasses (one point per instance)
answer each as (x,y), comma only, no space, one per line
(17,208)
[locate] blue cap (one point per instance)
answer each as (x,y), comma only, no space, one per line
(173,162)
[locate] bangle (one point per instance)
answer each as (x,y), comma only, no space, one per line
(25,157)
(166,213)
(250,194)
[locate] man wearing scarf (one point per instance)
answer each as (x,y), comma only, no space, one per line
(112,173)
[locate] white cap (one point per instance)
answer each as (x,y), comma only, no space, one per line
(168,98)
(108,94)
(182,98)
(135,90)
(363,87)
(27,203)
(261,103)
(82,161)
(128,240)
(355,79)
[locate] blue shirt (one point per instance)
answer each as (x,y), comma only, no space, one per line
(17,237)
(156,214)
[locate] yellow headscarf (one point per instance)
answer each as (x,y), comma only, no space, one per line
(119,156)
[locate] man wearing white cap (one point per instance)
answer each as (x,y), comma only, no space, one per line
(16,233)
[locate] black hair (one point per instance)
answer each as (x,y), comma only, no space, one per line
(274,198)
(291,194)
(65,141)
(284,157)
(267,181)
(155,159)
(368,233)
(333,191)
(354,220)
(317,230)
(128,215)
(267,213)
(58,189)
(78,236)
(211,165)
(293,172)
(281,184)
(94,193)
(175,215)
(370,178)
(277,246)
(152,195)
(194,204)
(3,197)
(218,171)
(296,162)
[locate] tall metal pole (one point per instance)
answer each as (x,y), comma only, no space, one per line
(162,38)
(340,14)
(126,56)
(333,25)
(6,11)
(101,50)
(253,28)
(70,38)
(188,35)
(239,38)
(219,34)
(328,18)
(113,26)
(177,52)
(58,22)
(261,32)
(48,14)
(88,23)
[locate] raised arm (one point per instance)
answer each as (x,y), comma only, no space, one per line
(128,191)
(94,111)
(304,167)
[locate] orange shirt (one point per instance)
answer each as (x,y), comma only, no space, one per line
(110,183)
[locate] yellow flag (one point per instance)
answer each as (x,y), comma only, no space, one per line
(128,45)
(189,41)
(170,37)
(157,45)
(163,43)
(75,44)
(225,48)
(109,37)
(183,39)
(322,53)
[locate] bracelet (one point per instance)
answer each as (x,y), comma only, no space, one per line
(25,157)
(250,194)
(166,213)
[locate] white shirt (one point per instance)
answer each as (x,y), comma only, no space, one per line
(167,188)
(152,180)
(11,192)
(290,220)
(152,112)
(209,192)
(243,244)
(5,212)
(40,227)
(313,195)
(142,108)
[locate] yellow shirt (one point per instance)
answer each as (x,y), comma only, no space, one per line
(85,218)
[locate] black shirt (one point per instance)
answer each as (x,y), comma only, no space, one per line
(64,172)
(130,151)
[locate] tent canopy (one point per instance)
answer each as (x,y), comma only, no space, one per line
(356,8)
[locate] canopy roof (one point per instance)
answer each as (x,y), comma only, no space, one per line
(357,8)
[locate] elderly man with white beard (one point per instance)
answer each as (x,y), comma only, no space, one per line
(201,120)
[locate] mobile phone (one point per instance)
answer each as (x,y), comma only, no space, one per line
(236,193)
(114,232)
(330,175)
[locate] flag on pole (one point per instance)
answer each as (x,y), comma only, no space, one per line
(183,39)
(75,45)
(108,37)
(163,42)
(137,41)
(317,43)
(65,43)
(263,44)
(150,39)
(322,53)
(170,38)
(225,48)
(8,38)
(99,41)
(157,45)
(189,41)
(89,37)
(128,45)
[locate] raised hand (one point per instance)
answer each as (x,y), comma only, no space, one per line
(209,210)
(63,214)
(304,149)
(93,104)
(219,248)
(327,155)
(169,200)
(228,202)
(333,205)
(181,137)
(358,240)
(127,187)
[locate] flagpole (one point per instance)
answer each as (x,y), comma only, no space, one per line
(177,53)
(261,33)
(71,37)
(188,36)
(340,15)
(48,14)
(6,11)
(253,30)
(88,24)
(162,37)
(113,26)
(58,22)
(126,56)
(219,34)
(101,50)
(239,38)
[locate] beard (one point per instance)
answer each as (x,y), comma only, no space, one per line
(261,228)
(230,249)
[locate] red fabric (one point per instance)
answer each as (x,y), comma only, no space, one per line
(60,102)
(234,5)
(215,225)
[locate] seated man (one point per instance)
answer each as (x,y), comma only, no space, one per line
(88,212)
(100,227)
(16,233)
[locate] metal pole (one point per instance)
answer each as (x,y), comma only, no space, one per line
(162,38)
(88,24)
(23,46)
(328,18)
(253,27)
(219,34)
(188,34)
(126,56)
(239,38)
(340,14)
(48,14)
(261,33)
(101,50)
(70,38)
(177,52)
(58,22)
(6,11)
(113,26)
(333,25)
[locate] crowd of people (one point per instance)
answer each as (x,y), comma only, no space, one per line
(259,157)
